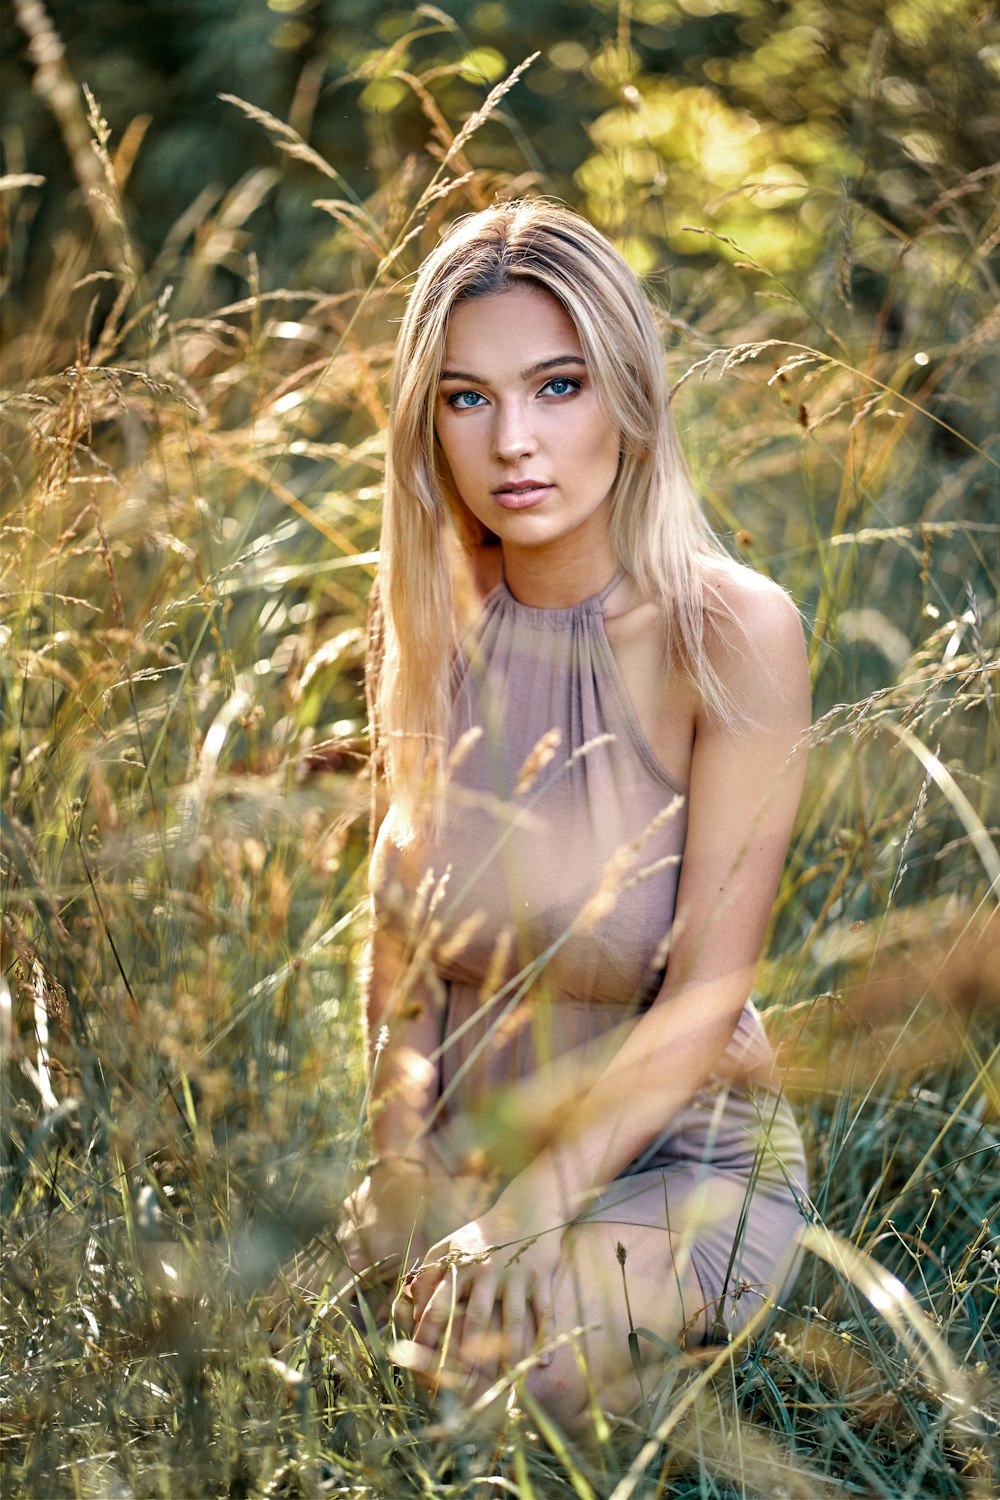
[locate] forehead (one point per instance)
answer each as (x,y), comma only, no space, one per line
(525,322)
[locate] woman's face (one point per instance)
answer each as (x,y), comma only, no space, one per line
(530,448)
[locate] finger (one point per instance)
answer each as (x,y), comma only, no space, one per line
(540,1335)
(403,1319)
(435,1322)
(423,1285)
(517,1327)
(478,1335)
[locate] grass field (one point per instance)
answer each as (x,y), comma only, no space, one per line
(189,533)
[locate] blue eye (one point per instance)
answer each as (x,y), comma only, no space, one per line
(561,385)
(465,400)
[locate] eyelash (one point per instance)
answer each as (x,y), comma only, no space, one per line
(573,385)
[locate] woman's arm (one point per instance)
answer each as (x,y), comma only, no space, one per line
(402,1025)
(392,1212)
(402,1034)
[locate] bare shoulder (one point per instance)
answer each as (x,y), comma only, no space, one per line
(757,642)
(749,600)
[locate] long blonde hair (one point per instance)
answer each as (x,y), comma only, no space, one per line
(658,530)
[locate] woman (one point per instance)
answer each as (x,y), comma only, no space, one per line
(585,718)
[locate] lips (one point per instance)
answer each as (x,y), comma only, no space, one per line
(521,494)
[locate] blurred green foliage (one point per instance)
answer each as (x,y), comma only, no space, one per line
(751,116)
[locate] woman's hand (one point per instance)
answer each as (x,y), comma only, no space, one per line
(383,1219)
(381,1226)
(483,1294)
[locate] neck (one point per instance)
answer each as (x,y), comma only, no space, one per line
(561,574)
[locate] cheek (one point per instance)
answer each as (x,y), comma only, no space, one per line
(604,447)
(456,447)
(596,440)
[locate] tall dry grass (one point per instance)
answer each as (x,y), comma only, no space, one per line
(190,520)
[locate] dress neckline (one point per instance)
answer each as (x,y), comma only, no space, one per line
(593,604)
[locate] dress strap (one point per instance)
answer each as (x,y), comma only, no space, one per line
(607,592)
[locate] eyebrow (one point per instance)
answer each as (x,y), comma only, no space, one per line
(545,364)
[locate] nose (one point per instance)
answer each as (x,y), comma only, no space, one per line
(512,434)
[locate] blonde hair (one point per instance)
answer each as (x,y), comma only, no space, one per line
(658,530)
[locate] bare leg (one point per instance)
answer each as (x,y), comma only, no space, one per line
(600,1261)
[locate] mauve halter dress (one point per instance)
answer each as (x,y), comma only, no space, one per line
(551,906)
